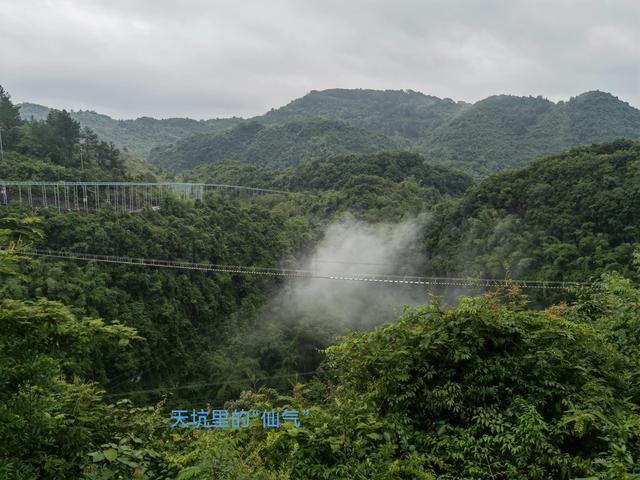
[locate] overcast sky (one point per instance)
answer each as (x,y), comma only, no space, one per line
(213,58)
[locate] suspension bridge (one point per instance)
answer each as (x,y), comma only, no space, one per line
(122,196)
(375,278)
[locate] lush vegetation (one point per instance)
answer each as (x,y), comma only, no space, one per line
(190,321)
(94,356)
(378,187)
(138,136)
(57,148)
(484,390)
(571,216)
(277,146)
(504,132)
(178,314)
(492,135)
(488,389)
(51,413)
(334,173)
(233,172)
(401,114)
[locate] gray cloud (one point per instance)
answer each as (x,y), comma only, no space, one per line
(219,58)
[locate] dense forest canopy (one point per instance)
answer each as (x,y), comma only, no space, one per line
(382,186)
(401,114)
(570,216)
(439,394)
(333,172)
(278,146)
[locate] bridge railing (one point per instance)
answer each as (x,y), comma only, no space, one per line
(125,196)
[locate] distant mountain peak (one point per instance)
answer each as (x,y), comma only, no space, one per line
(598,95)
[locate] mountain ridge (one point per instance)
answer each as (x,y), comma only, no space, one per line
(491,135)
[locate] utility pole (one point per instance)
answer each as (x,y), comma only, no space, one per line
(1,150)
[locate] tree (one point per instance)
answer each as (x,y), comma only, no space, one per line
(64,135)
(9,120)
(112,157)
(16,232)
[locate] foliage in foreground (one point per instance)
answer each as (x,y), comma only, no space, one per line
(486,390)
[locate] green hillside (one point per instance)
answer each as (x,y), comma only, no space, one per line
(233,172)
(277,146)
(395,113)
(334,172)
(503,132)
(17,166)
(570,216)
(140,135)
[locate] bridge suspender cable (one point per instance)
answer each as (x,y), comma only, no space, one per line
(125,196)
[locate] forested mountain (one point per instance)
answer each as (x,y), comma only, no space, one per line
(503,132)
(33,111)
(489,136)
(570,216)
(140,135)
(277,146)
(395,113)
(404,115)
(333,173)
(233,172)
(492,135)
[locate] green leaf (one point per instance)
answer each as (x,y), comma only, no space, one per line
(189,472)
(128,462)
(97,456)
(111,454)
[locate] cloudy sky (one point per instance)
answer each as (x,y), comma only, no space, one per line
(215,58)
